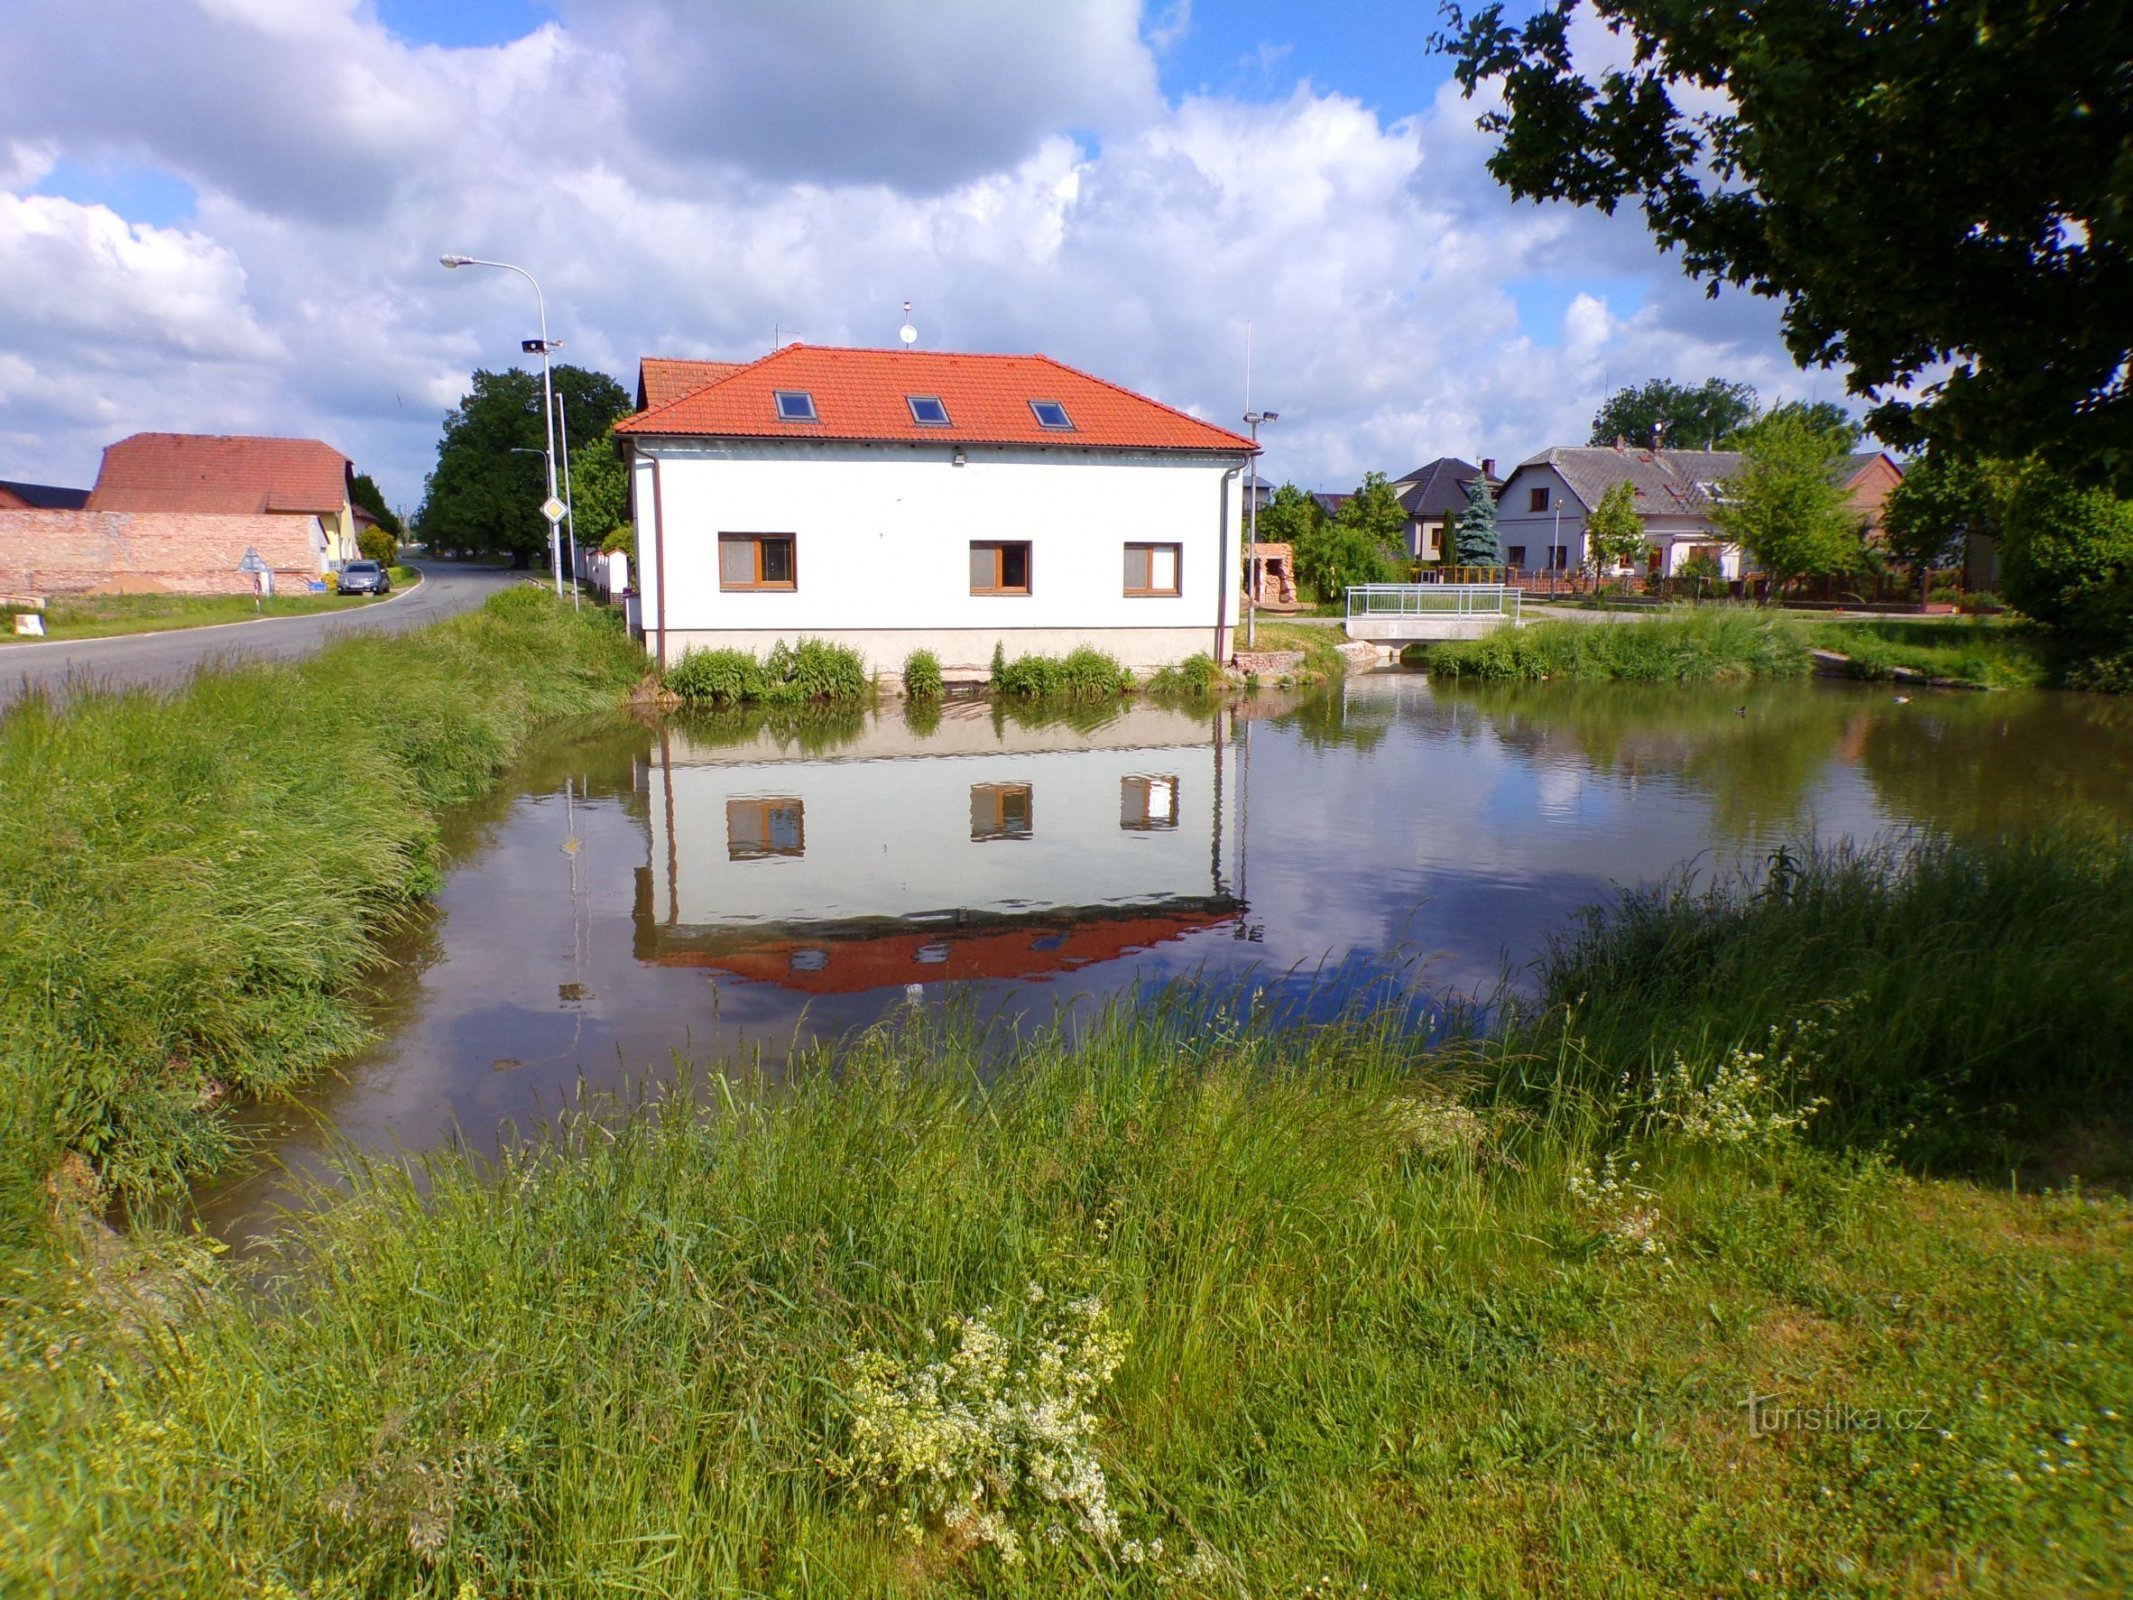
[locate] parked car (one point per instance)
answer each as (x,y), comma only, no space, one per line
(364,577)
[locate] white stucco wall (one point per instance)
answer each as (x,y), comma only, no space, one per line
(882,547)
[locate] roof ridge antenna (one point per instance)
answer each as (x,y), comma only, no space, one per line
(907,333)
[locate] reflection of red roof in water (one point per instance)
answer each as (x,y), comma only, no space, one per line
(851,966)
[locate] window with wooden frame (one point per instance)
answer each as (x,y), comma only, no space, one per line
(1537,499)
(1152,569)
(756,561)
(999,567)
(1147,805)
(1001,811)
(1514,555)
(760,828)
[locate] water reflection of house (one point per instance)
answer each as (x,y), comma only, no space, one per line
(982,850)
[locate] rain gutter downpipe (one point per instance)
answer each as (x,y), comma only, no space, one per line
(1222,568)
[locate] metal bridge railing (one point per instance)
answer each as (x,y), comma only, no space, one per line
(1432,600)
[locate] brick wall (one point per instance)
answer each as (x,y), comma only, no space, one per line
(153,552)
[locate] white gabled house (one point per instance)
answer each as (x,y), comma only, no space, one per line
(1542,509)
(897,499)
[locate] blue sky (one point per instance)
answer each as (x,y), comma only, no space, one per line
(224,216)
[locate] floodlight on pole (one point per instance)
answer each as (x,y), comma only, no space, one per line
(555,549)
(1252,419)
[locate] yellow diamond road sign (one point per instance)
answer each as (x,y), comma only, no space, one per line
(552,509)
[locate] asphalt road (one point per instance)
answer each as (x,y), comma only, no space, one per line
(161,659)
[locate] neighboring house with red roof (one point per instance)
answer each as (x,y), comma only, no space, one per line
(40,497)
(234,475)
(897,499)
(46,553)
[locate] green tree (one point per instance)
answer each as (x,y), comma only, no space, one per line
(1291,517)
(482,496)
(1474,534)
(1919,184)
(1942,503)
(1335,555)
(365,494)
(600,494)
(1786,509)
(1375,512)
(2067,561)
(1614,534)
(1824,416)
(1695,419)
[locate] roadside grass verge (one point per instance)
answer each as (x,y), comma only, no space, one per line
(192,884)
(106,615)
(1989,652)
(1188,1304)
(1686,645)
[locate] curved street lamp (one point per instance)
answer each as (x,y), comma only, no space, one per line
(555,558)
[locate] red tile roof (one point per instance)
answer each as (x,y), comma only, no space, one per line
(152,552)
(220,473)
(661,380)
(861,395)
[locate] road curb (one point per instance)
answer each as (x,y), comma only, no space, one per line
(11,648)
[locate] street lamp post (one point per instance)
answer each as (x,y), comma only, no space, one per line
(555,555)
(570,510)
(1252,420)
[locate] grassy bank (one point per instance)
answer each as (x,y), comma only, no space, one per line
(191,884)
(97,616)
(1687,645)
(1320,645)
(1988,652)
(1189,1306)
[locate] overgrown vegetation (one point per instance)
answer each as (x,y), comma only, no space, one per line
(1689,645)
(922,675)
(192,884)
(1195,677)
(1082,674)
(1631,1301)
(811,671)
(1988,652)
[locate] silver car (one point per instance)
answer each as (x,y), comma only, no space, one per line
(364,577)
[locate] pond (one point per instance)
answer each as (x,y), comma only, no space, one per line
(731,885)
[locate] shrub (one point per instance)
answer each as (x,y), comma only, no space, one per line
(1083,674)
(810,671)
(1196,675)
(378,544)
(731,675)
(922,675)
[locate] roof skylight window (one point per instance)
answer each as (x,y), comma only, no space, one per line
(927,410)
(796,405)
(1051,414)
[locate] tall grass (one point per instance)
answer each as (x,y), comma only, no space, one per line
(1979,995)
(1376,1328)
(1688,645)
(191,885)
(1988,652)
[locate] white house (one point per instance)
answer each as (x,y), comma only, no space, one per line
(897,499)
(1542,510)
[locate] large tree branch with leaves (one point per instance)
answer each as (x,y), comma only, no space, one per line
(1940,191)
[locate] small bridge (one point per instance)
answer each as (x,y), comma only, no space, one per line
(1415,613)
